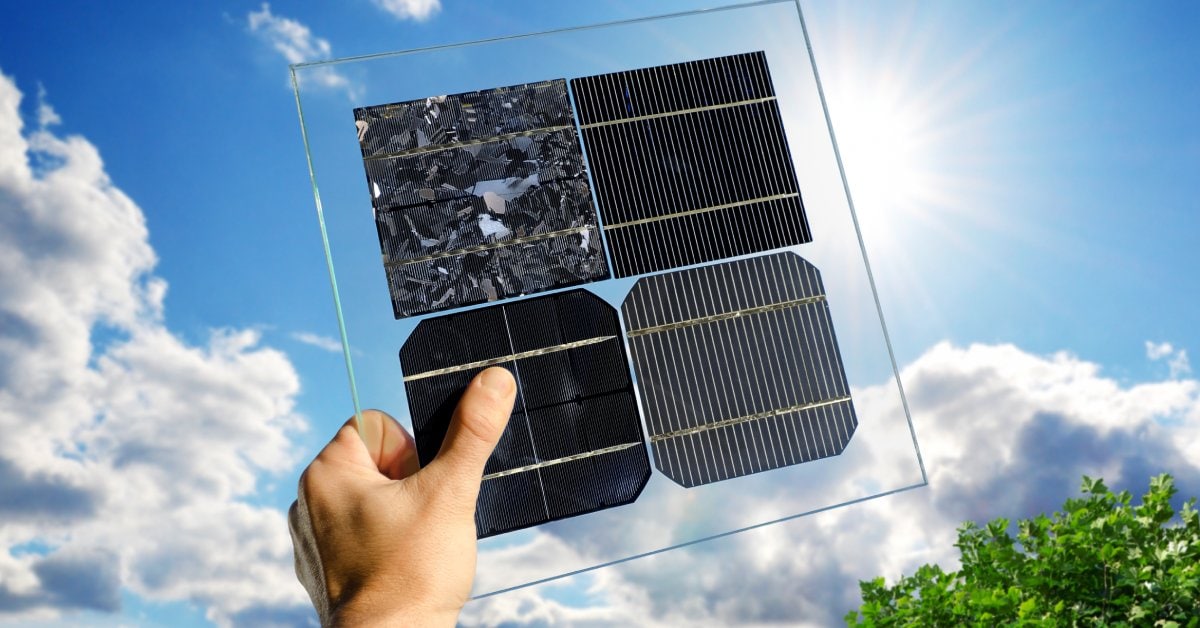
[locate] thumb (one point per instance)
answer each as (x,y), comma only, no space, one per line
(478,421)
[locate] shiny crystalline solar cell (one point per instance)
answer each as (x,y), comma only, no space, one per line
(690,163)
(574,443)
(738,368)
(479,196)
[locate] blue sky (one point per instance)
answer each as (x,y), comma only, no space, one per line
(1026,178)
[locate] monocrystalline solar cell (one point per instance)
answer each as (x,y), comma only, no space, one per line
(574,443)
(738,368)
(479,196)
(690,163)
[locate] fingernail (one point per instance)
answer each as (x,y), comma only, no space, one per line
(497,379)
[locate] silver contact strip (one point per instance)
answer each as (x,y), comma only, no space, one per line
(571,458)
(727,315)
(489,246)
(702,210)
(750,417)
(512,357)
(654,116)
(421,150)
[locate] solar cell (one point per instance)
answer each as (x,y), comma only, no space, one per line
(738,368)
(574,443)
(690,163)
(479,196)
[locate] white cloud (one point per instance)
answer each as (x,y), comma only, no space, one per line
(1003,432)
(1177,359)
(296,43)
(321,342)
(46,115)
(1158,350)
(1179,364)
(288,37)
(130,454)
(415,9)
(127,453)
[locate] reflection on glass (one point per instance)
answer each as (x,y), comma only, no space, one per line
(689,168)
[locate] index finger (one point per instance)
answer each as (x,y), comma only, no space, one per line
(379,444)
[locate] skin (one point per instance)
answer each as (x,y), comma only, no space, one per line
(380,541)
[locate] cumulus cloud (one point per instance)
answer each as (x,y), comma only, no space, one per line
(1004,433)
(296,43)
(410,9)
(128,455)
(1176,358)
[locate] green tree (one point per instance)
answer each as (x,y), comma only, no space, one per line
(1099,562)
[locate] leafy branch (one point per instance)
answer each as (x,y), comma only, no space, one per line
(1100,561)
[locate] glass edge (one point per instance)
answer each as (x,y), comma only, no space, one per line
(883,327)
(337,301)
(649,18)
(862,247)
(713,537)
(293,68)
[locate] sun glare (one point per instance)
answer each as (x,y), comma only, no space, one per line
(914,133)
(887,137)
(881,151)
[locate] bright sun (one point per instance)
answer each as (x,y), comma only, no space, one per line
(881,148)
(888,137)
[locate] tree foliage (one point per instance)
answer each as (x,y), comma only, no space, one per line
(1099,562)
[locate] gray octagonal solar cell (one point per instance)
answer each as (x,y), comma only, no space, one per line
(738,368)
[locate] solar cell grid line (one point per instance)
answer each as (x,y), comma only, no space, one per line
(480,196)
(521,402)
(738,367)
(762,349)
(688,389)
(731,127)
(723,194)
(676,374)
(755,397)
(574,443)
(771,277)
(830,386)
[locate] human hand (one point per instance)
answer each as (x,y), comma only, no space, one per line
(381,542)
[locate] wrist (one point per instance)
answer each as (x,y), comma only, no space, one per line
(370,611)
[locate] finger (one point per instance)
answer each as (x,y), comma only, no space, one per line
(391,448)
(348,446)
(479,420)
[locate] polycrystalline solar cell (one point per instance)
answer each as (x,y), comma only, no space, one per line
(479,196)
(738,368)
(574,443)
(690,163)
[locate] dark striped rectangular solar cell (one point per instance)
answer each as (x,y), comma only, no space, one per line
(479,196)
(574,443)
(738,368)
(690,163)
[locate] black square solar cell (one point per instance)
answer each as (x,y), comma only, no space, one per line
(574,443)
(738,368)
(690,163)
(479,196)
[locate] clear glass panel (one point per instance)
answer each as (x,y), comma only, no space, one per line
(881,457)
